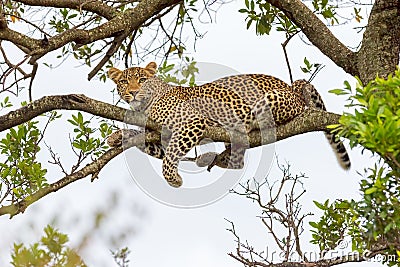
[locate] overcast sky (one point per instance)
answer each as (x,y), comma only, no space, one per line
(161,235)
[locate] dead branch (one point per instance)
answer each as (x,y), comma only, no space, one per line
(292,220)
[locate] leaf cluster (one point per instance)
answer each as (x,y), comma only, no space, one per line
(84,139)
(374,220)
(266,17)
(51,251)
(21,173)
(375,123)
(179,76)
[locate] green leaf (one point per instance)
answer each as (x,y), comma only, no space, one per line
(320,205)
(370,190)
(333,126)
(338,92)
(308,65)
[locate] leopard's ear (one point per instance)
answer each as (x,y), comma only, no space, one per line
(114,74)
(151,68)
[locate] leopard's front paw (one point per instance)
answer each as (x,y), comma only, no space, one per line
(171,175)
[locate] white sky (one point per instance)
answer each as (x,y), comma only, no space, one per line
(159,235)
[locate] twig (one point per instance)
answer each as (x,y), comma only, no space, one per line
(129,48)
(113,48)
(56,160)
(284,44)
(28,22)
(33,75)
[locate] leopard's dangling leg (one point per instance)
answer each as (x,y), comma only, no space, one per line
(183,139)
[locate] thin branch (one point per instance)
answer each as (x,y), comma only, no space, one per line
(20,206)
(284,44)
(113,48)
(129,48)
(30,23)
(92,169)
(56,160)
(32,75)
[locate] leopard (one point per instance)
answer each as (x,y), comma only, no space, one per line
(240,103)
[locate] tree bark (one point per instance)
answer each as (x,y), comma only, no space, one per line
(379,53)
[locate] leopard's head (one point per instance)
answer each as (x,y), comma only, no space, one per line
(130,81)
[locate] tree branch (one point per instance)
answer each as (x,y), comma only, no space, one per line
(19,39)
(123,23)
(90,169)
(310,120)
(117,42)
(94,6)
(318,34)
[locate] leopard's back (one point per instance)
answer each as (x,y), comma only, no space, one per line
(234,101)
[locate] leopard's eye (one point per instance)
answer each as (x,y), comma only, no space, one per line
(123,81)
(142,80)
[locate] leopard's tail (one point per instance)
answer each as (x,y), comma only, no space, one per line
(313,99)
(340,151)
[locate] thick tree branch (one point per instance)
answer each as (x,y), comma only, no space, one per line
(379,53)
(310,120)
(119,23)
(72,102)
(94,6)
(318,33)
(19,39)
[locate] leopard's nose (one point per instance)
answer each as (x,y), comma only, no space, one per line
(133,94)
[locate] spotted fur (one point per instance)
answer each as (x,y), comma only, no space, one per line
(238,103)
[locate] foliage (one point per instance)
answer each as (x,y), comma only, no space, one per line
(266,17)
(327,10)
(84,140)
(376,120)
(374,220)
(310,68)
(50,251)
(5,103)
(21,173)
